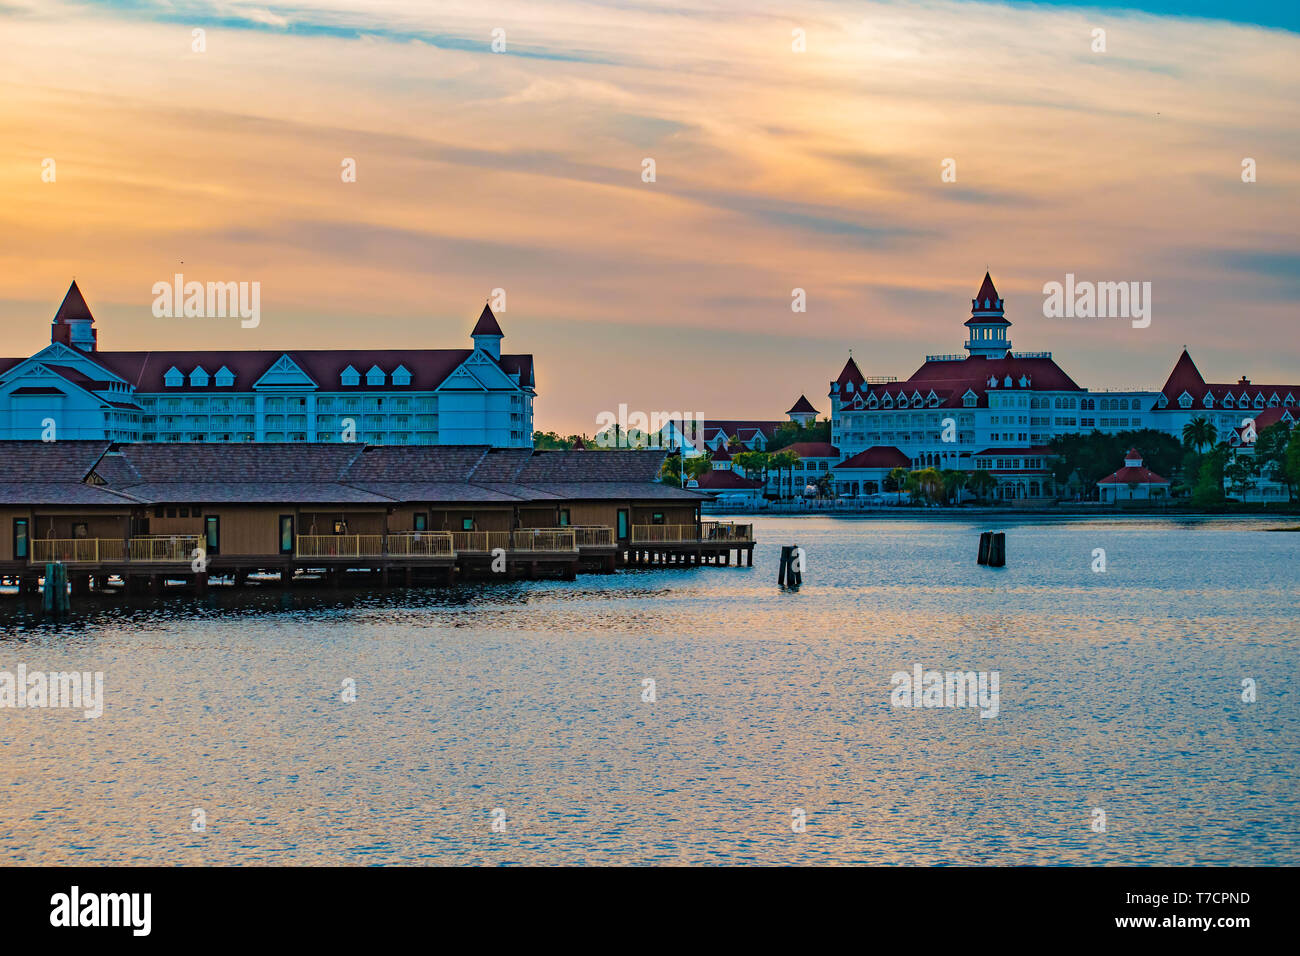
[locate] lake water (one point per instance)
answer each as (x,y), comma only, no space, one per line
(1119,691)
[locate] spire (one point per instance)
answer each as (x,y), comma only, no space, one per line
(987,323)
(487,334)
(487,323)
(73,324)
(74,307)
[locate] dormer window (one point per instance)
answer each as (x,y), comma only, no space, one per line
(225,378)
(1024,381)
(174,378)
(1208,401)
(917,400)
(1162,401)
(198,378)
(1274,401)
(350,376)
(1227,401)
(873,401)
(375,376)
(1007,382)
(401,376)
(993,381)
(1259,400)
(1289,400)
(1184,400)
(970,399)
(902,401)
(887,401)
(848,387)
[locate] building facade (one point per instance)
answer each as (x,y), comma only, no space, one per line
(996,409)
(74,390)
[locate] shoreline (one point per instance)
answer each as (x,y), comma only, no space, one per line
(947,514)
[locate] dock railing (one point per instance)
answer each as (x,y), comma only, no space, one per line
(421,544)
(480,540)
(340,546)
(712,531)
(77,550)
(544,539)
(165,548)
(664,533)
(726,531)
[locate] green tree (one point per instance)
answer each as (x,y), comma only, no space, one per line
(1199,433)
(954,481)
(897,478)
(1270,453)
(1209,479)
(781,461)
(981,483)
(753,463)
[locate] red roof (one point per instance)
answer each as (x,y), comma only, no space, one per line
(1129,476)
(73,307)
(877,456)
(1186,377)
(722,479)
(812,449)
(428,367)
(578,445)
(950,381)
(487,324)
(986,302)
(850,373)
(802,406)
(1132,453)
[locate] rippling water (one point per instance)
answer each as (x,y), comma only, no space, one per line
(1119,690)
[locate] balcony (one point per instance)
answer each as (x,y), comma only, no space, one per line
(708,531)
(144,549)
(421,544)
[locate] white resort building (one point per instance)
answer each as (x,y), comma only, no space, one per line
(74,390)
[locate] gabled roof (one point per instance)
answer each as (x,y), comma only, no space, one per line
(724,479)
(487,324)
(1129,475)
(812,449)
(877,456)
(1187,378)
(428,367)
(850,373)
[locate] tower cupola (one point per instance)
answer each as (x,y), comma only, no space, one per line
(987,324)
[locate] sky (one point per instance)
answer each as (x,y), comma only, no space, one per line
(776,169)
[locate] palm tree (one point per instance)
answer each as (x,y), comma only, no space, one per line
(953,482)
(899,477)
(780,461)
(1199,432)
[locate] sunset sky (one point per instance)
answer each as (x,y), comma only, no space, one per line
(775,169)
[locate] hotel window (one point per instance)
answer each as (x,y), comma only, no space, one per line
(20,537)
(564,517)
(466,524)
(657,518)
(171,512)
(421,521)
(174,378)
